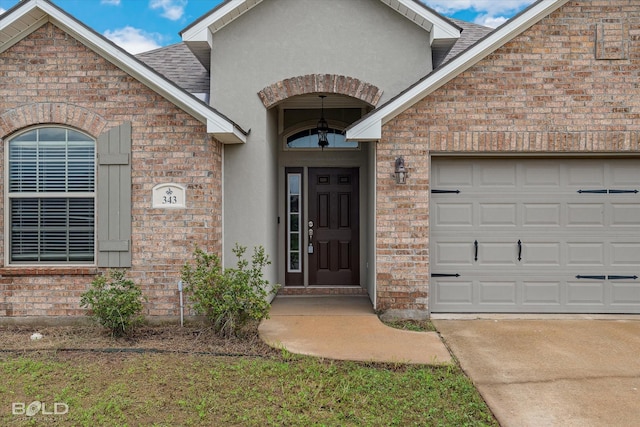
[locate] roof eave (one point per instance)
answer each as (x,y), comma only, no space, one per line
(367,127)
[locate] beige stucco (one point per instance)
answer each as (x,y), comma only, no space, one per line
(278,40)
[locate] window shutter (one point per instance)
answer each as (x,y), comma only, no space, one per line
(114,197)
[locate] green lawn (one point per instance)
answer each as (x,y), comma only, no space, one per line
(182,389)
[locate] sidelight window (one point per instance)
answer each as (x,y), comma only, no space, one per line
(294,223)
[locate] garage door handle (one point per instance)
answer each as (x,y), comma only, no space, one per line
(591,277)
(519,250)
(444,275)
(622,277)
(475,245)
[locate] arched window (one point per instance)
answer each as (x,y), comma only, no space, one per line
(308,138)
(52,196)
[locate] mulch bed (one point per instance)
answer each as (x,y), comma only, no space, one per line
(166,339)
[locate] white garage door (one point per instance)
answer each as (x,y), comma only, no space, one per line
(535,235)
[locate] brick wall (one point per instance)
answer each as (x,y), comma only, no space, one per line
(319,83)
(569,84)
(50,78)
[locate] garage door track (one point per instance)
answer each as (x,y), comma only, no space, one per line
(582,372)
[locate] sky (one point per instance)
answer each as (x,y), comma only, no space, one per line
(143,25)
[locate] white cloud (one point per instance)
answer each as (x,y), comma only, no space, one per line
(134,40)
(171,9)
(490,21)
(110,2)
(2,10)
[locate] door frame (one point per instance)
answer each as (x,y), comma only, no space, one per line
(364,159)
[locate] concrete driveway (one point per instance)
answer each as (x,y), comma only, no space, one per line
(582,372)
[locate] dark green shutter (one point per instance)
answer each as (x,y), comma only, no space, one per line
(114,197)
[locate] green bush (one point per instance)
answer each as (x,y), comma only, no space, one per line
(114,302)
(229,297)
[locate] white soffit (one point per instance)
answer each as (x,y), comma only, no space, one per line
(369,128)
(227,12)
(28,16)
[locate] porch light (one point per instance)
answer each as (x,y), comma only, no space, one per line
(401,172)
(323,127)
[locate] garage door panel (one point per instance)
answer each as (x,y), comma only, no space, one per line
(497,175)
(578,221)
(449,254)
(453,294)
(541,254)
(533,294)
(498,214)
(497,254)
(625,254)
(454,214)
(453,174)
(492,292)
(541,176)
(541,292)
(585,173)
(625,214)
(626,174)
(625,293)
(541,214)
(585,215)
(586,293)
(580,254)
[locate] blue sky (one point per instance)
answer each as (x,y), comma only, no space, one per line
(142,25)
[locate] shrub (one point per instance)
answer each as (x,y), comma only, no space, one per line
(230,297)
(114,302)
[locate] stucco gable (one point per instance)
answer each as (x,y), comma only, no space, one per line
(29,15)
(443,32)
(369,128)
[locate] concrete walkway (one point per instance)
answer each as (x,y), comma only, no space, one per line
(346,328)
(551,372)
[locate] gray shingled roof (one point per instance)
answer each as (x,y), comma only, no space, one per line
(471,33)
(178,64)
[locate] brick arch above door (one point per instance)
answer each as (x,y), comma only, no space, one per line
(320,83)
(51,112)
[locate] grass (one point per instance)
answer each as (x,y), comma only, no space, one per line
(172,376)
(412,325)
(169,389)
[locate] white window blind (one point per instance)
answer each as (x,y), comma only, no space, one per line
(52,196)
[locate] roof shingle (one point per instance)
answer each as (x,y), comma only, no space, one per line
(178,64)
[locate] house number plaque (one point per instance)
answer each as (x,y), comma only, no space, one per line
(169,196)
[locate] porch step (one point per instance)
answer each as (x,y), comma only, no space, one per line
(323,290)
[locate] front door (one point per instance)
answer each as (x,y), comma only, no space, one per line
(323,246)
(333,217)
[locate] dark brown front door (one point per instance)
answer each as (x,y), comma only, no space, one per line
(334,216)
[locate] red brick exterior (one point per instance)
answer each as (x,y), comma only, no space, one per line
(319,83)
(546,91)
(50,78)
